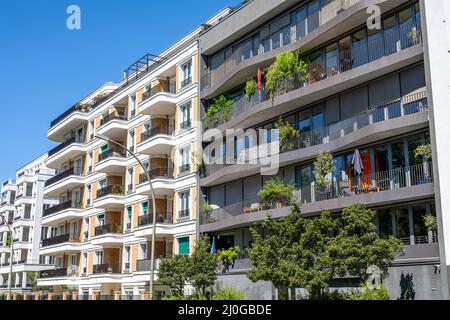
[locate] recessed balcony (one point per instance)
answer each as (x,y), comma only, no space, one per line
(64,180)
(65,243)
(160,100)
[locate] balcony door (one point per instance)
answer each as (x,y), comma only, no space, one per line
(75,229)
(79,135)
(76,198)
(98,257)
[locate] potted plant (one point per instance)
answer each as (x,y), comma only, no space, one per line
(276,192)
(323,169)
(287,68)
(430,223)
(228,257)
(424,152)
(288,135)
(414,36)
(219,111)
(250,88)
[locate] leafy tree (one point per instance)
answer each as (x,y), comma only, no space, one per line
(287,67)
(423,151)
(276,191)
(221,107)
(310,252)
(250,88)
(357,245)
(323,167)
(175,272)
(204,266)
(228,256)
(370,294)
(287,135)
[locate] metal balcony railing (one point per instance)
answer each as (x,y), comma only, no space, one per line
(53,273)
(158,172)
(186,82)
(111,154)
(145,265)
(105,268)
(166,129)
(68,237)
(61,207)
(112,116)
(147,219)
(339,187)
(107,228)
(163,86)
(60,175)
(64,145)
(116,189)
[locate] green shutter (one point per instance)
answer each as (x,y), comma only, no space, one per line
(104,148)
(130,211)
(183,245)
(145,207)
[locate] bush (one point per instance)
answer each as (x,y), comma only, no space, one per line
(276,191)
(228,256)
(221,107)
(371,294)
(250,88)
(287,135)
(229,294)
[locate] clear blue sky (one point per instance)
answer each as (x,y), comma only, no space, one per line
(45,68)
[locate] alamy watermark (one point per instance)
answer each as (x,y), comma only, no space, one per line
(73,22)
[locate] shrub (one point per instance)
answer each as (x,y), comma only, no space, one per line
(221,106)
(229,294)
(287,67)
(371,294)
(276,191)
(250,88)
(228,257)
(323,166)
(287,135)
(423,151)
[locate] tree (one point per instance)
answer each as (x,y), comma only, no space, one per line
(423,151)
(288,135)
(228,256)
(175,272)
(323,167)
(357,245)
(310,252)
(276,191)
(204,266)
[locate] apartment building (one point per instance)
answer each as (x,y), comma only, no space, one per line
(22,204)
(370,91)
(100,233)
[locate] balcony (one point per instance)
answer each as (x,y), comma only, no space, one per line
(62,212)
(112,162)
(54,273)
(68,150)
(147,219)
(381,121)
(185,169)
(106,268)
(111,197)
(64,180)
(327,76)
(144,265)
(186,82)
(68,237)
(107,228)
(160,100)
(379,188)
(160,139)
(114,126)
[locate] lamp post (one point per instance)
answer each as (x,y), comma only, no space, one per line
(152,192)
(10,258)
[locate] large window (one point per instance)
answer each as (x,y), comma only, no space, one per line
(184,203)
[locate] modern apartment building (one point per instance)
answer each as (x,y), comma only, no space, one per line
(22,204)
(376,91)
(100,233)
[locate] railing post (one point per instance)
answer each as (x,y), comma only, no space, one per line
(313,192)
(74,296)
(117,295)
(65,296)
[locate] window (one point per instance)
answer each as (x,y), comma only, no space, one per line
(142,251)
(86,228)
(132,105)
(129,217)
(185,159)
(144,208)
(300,18)
(100,220)
(130,179)
(90,162)
(104,148)
(92,129)
(183,245)
(98,257)
(186,74)
(102,184)
(183,204)
(127,258)
(131,140)
(85,262)
(88,195)
(185,116)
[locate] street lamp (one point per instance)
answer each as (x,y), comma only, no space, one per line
(11,257)
(152,192)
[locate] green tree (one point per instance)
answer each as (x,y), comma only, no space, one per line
(219,111)
(423,151)
(204,266)
(287,67)
(228,256)
(276,191)
(310,252)
(175,272)
(323,167)
(288,135)
(250,88)
(357,246)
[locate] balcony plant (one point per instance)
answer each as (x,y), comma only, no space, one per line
(220,110)
(250,88)
(287,68)
(414,36)
(323,169)
(84,107)
(276,192)
(228,257)
(430,223)
(423,151)
(287,135)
